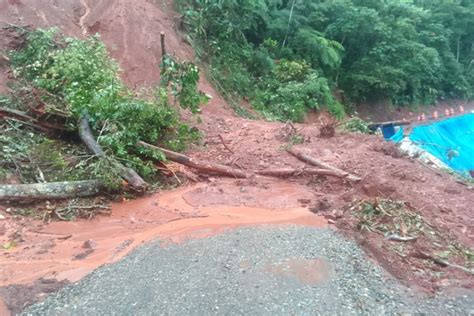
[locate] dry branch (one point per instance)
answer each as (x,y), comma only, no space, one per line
(290,172)
(441,262)
(317,163)
(203,166)
(225,145)
(128,174)
(47,191)
(395,237)
(31,121)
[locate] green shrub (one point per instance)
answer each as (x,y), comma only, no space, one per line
(293,89)
(183,79)
(357,125)
(86,81)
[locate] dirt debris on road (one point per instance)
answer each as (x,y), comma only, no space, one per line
(262,270)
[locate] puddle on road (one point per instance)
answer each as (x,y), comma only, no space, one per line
(306,271)
(52,250)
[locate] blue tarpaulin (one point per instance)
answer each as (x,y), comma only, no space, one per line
(398,136)
(451,141)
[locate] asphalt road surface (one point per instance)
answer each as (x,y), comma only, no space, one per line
(253,271)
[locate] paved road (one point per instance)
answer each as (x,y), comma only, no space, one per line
(253,271)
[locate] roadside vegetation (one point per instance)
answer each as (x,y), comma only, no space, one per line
(289,56)
(61,80)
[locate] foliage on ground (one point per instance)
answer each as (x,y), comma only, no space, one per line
(85,208)
(288,57)
(356,125)
(399,219)
(388,217)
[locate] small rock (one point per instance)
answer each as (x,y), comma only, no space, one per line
(89,244)
(83,255)
(2,217)
(334,215)
(304,201)
(324,205)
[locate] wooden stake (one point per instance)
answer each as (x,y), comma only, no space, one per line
(163,47)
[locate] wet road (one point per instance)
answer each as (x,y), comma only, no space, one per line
(279,270)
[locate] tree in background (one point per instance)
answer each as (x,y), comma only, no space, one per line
(408,51)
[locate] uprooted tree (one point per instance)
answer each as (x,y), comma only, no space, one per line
(68,90)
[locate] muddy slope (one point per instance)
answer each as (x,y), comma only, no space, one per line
(131,30)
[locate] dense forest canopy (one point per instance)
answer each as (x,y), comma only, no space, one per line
(288,56)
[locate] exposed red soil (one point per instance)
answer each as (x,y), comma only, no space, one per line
(442,202)
(130,28)
(68,251)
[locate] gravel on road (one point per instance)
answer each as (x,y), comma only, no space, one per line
(265,270)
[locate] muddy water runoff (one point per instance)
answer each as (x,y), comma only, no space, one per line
(71,250)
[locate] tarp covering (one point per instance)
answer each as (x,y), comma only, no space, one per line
(398,136)
(451,141)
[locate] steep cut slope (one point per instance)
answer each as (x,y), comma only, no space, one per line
(131,30)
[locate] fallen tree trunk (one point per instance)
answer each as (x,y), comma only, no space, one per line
(317,163)
(202,166)
(49,191)
(289,172)
(374,126)
(128,174)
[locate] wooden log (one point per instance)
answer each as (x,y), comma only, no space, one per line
(317,163)
(374,126)
(290,172)
(128,174)
(85,132)
(163,47)
(18,114)
(23,117)
(203,166)
(49,191)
